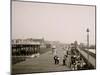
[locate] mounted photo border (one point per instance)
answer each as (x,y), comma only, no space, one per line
(51,3)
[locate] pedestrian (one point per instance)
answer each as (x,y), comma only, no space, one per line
(54,51)
(78,65)
(69,61)
(73,63)
(56,59)
(64,59)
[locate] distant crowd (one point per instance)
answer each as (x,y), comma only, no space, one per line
(71,58)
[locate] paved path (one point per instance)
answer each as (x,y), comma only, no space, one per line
(43,63)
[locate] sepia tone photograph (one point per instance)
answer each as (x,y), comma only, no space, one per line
(52,37)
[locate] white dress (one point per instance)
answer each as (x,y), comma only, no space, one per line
(54,52)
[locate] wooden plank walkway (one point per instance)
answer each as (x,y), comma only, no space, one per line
(44,63)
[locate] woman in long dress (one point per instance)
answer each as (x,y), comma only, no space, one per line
(54,50)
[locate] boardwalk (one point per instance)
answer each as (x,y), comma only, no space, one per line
(43,63)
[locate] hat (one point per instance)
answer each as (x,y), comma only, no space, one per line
(54,47)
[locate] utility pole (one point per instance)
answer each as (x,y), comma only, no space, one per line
(88,43)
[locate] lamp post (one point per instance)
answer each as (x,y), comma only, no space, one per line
(88,43)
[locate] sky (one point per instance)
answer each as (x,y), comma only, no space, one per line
(53,22)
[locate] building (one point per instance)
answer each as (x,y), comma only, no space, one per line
(22,47)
